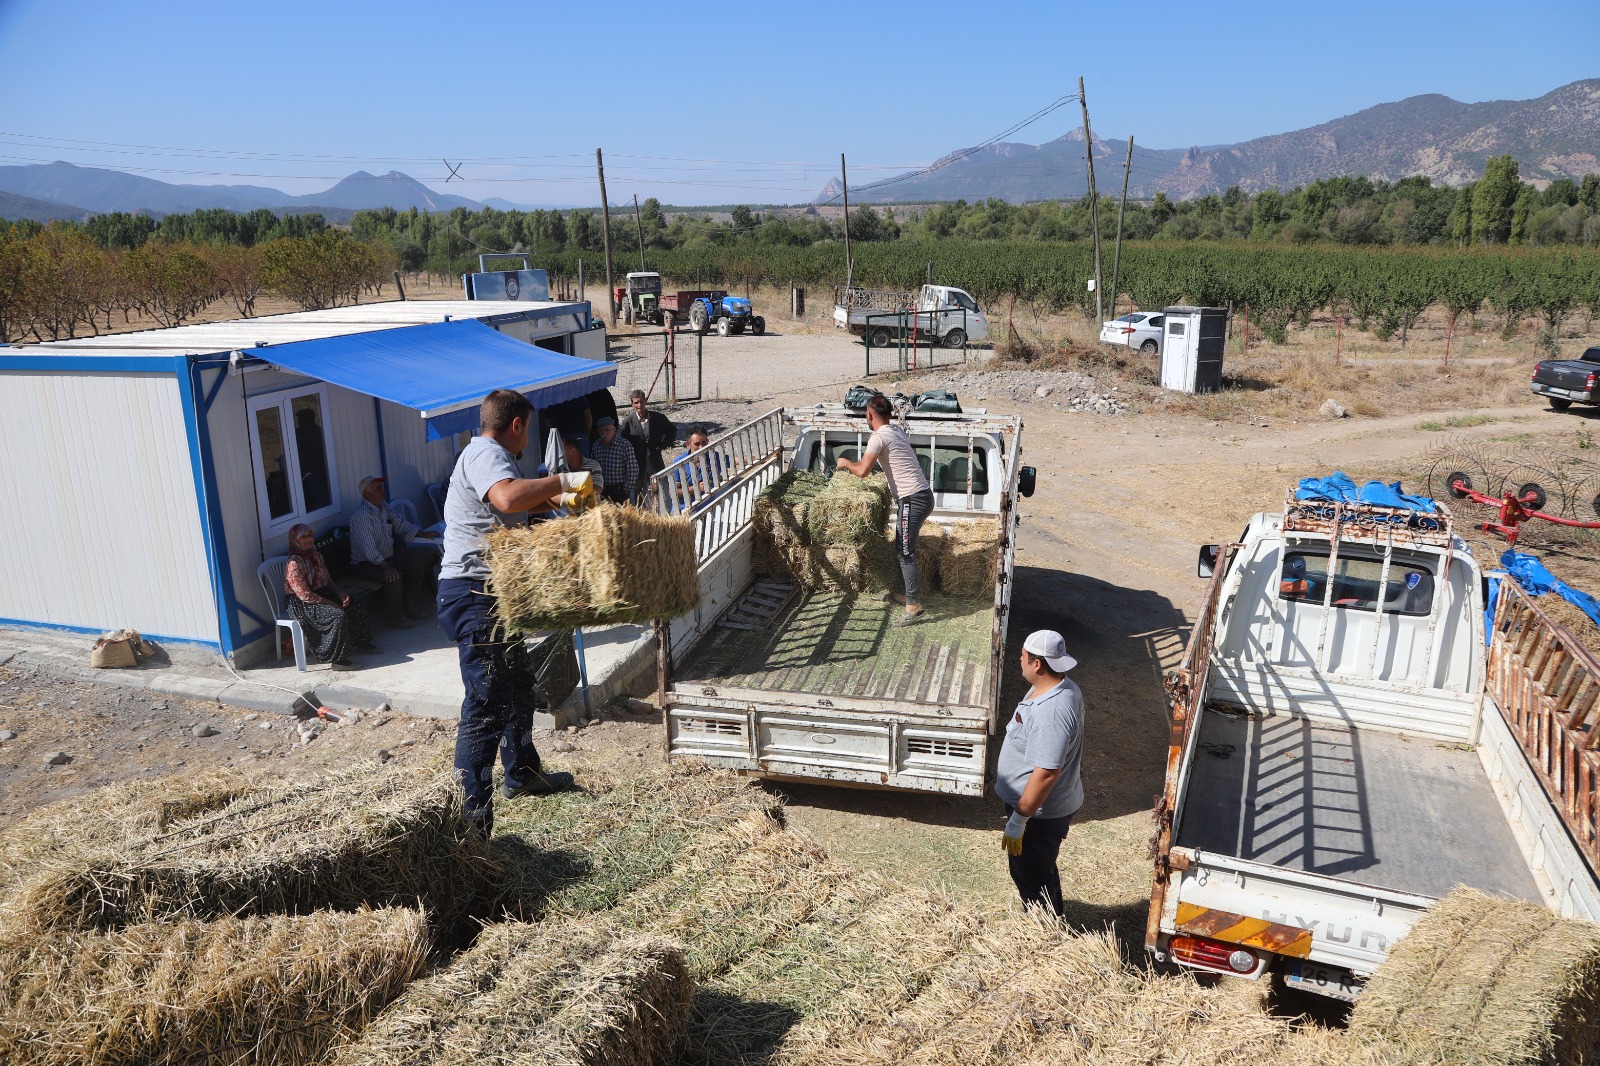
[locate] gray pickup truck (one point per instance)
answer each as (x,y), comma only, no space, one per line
(1565,382)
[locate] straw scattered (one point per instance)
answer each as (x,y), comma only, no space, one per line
(1492,980)
(186,993)
(368,837)
(608,565)
(556,993)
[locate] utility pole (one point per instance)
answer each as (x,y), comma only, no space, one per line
(1094,202)
(605,213)
(1116,258)
(640,223)
(844,185)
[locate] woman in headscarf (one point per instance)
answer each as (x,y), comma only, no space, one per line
(334,626)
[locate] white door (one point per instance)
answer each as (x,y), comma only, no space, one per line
(1177,355)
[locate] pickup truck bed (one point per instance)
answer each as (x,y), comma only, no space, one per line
(1364,805)
(844,646)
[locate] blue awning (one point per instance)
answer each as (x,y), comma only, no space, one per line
(442,370)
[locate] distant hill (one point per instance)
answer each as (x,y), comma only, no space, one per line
(1555,136)
(95,190)
(19,207)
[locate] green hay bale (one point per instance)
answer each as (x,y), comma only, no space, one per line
(1491,980)
(778,523)
(579,852)
(365,837)
(968,559)
(608,565)
(220,993)
(871,568)
(849,512)
(566,994)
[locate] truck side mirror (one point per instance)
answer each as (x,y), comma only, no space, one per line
(1207,563)
(1026,480)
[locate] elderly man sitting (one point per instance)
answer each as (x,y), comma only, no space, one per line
(379,552)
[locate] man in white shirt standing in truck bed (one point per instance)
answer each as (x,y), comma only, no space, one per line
(1037,777)
(890,448)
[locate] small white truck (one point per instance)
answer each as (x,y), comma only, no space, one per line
(1351,740)
(780,681)
(946,315)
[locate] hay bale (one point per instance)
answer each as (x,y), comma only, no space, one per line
(187,993)
(967,562)
(608,565)
(849,512)
(1493,980)
(368,837)
(930,548)
(871,568)
(778,521)
(562,993)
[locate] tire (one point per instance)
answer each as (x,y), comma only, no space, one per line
(1456,482)
(698,320)
(724,327)
(881,337)
(758,325)
(955,338)
(627,314)
(1557,404)
(1149,348)
(1533,495)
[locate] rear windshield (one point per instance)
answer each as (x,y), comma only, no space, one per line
(1357,583)
(1592,355)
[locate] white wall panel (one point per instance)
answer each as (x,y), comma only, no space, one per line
(100,524)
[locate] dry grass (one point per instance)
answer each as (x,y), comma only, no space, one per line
(564,994)
(609,565)
(1493,980)
(968,558)
(186,993)
(368,837)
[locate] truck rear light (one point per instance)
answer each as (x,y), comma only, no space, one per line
(1535,376)
(1589,383)
(1213,955)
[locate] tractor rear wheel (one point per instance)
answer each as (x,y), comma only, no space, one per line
(698,320)
(627,314)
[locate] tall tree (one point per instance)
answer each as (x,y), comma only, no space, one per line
(1461,222)
(1493,199)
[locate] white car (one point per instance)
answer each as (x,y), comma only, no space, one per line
(1139,329)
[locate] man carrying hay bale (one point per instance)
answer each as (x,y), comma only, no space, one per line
(913,496)
(1037,776)
(494,713)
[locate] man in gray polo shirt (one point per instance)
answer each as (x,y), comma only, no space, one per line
(495,712)
(1037,777)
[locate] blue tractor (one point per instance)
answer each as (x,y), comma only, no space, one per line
(730,314)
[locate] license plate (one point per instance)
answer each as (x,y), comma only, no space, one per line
(1576,394)
(1334,981)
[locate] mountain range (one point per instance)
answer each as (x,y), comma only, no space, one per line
(1554,136)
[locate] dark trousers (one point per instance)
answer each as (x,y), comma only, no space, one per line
(419,569)
(912,510)
(1035,873)
(498,709)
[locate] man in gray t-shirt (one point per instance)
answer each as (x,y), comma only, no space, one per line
(495,711)
(1037,777)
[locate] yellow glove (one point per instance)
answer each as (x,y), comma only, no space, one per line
(1011,838)
(581,482)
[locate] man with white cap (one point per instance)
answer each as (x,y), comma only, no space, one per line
(1037,777)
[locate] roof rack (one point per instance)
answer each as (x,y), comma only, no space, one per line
(1399,524)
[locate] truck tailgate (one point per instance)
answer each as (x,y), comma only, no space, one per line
(1566,374)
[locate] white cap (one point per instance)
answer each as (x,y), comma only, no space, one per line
(1048,645)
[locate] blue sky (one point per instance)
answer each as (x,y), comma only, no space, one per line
(739,103)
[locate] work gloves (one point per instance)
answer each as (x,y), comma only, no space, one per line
(577,490)
(1011,840)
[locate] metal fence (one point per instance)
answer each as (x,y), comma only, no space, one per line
(667,364)
(899,342)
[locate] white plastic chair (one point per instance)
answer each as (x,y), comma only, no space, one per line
(270,574)
(407,510)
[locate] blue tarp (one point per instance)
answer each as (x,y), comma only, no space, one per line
(1338,488)
(1532,575)
(443,369)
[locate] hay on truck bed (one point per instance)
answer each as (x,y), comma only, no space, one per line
(968,557)
(220,993)
(1492,980)
(824,532)
(558,993)
(611,564)
(374,836)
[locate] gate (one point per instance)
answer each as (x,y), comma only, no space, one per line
(666,365)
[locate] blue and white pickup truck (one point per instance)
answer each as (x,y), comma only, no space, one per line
(1565,382)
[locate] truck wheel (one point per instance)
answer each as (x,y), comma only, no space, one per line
(1557,404)
(1149,348)
(881,337)
(955,338)
(724,327)
(758,325)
